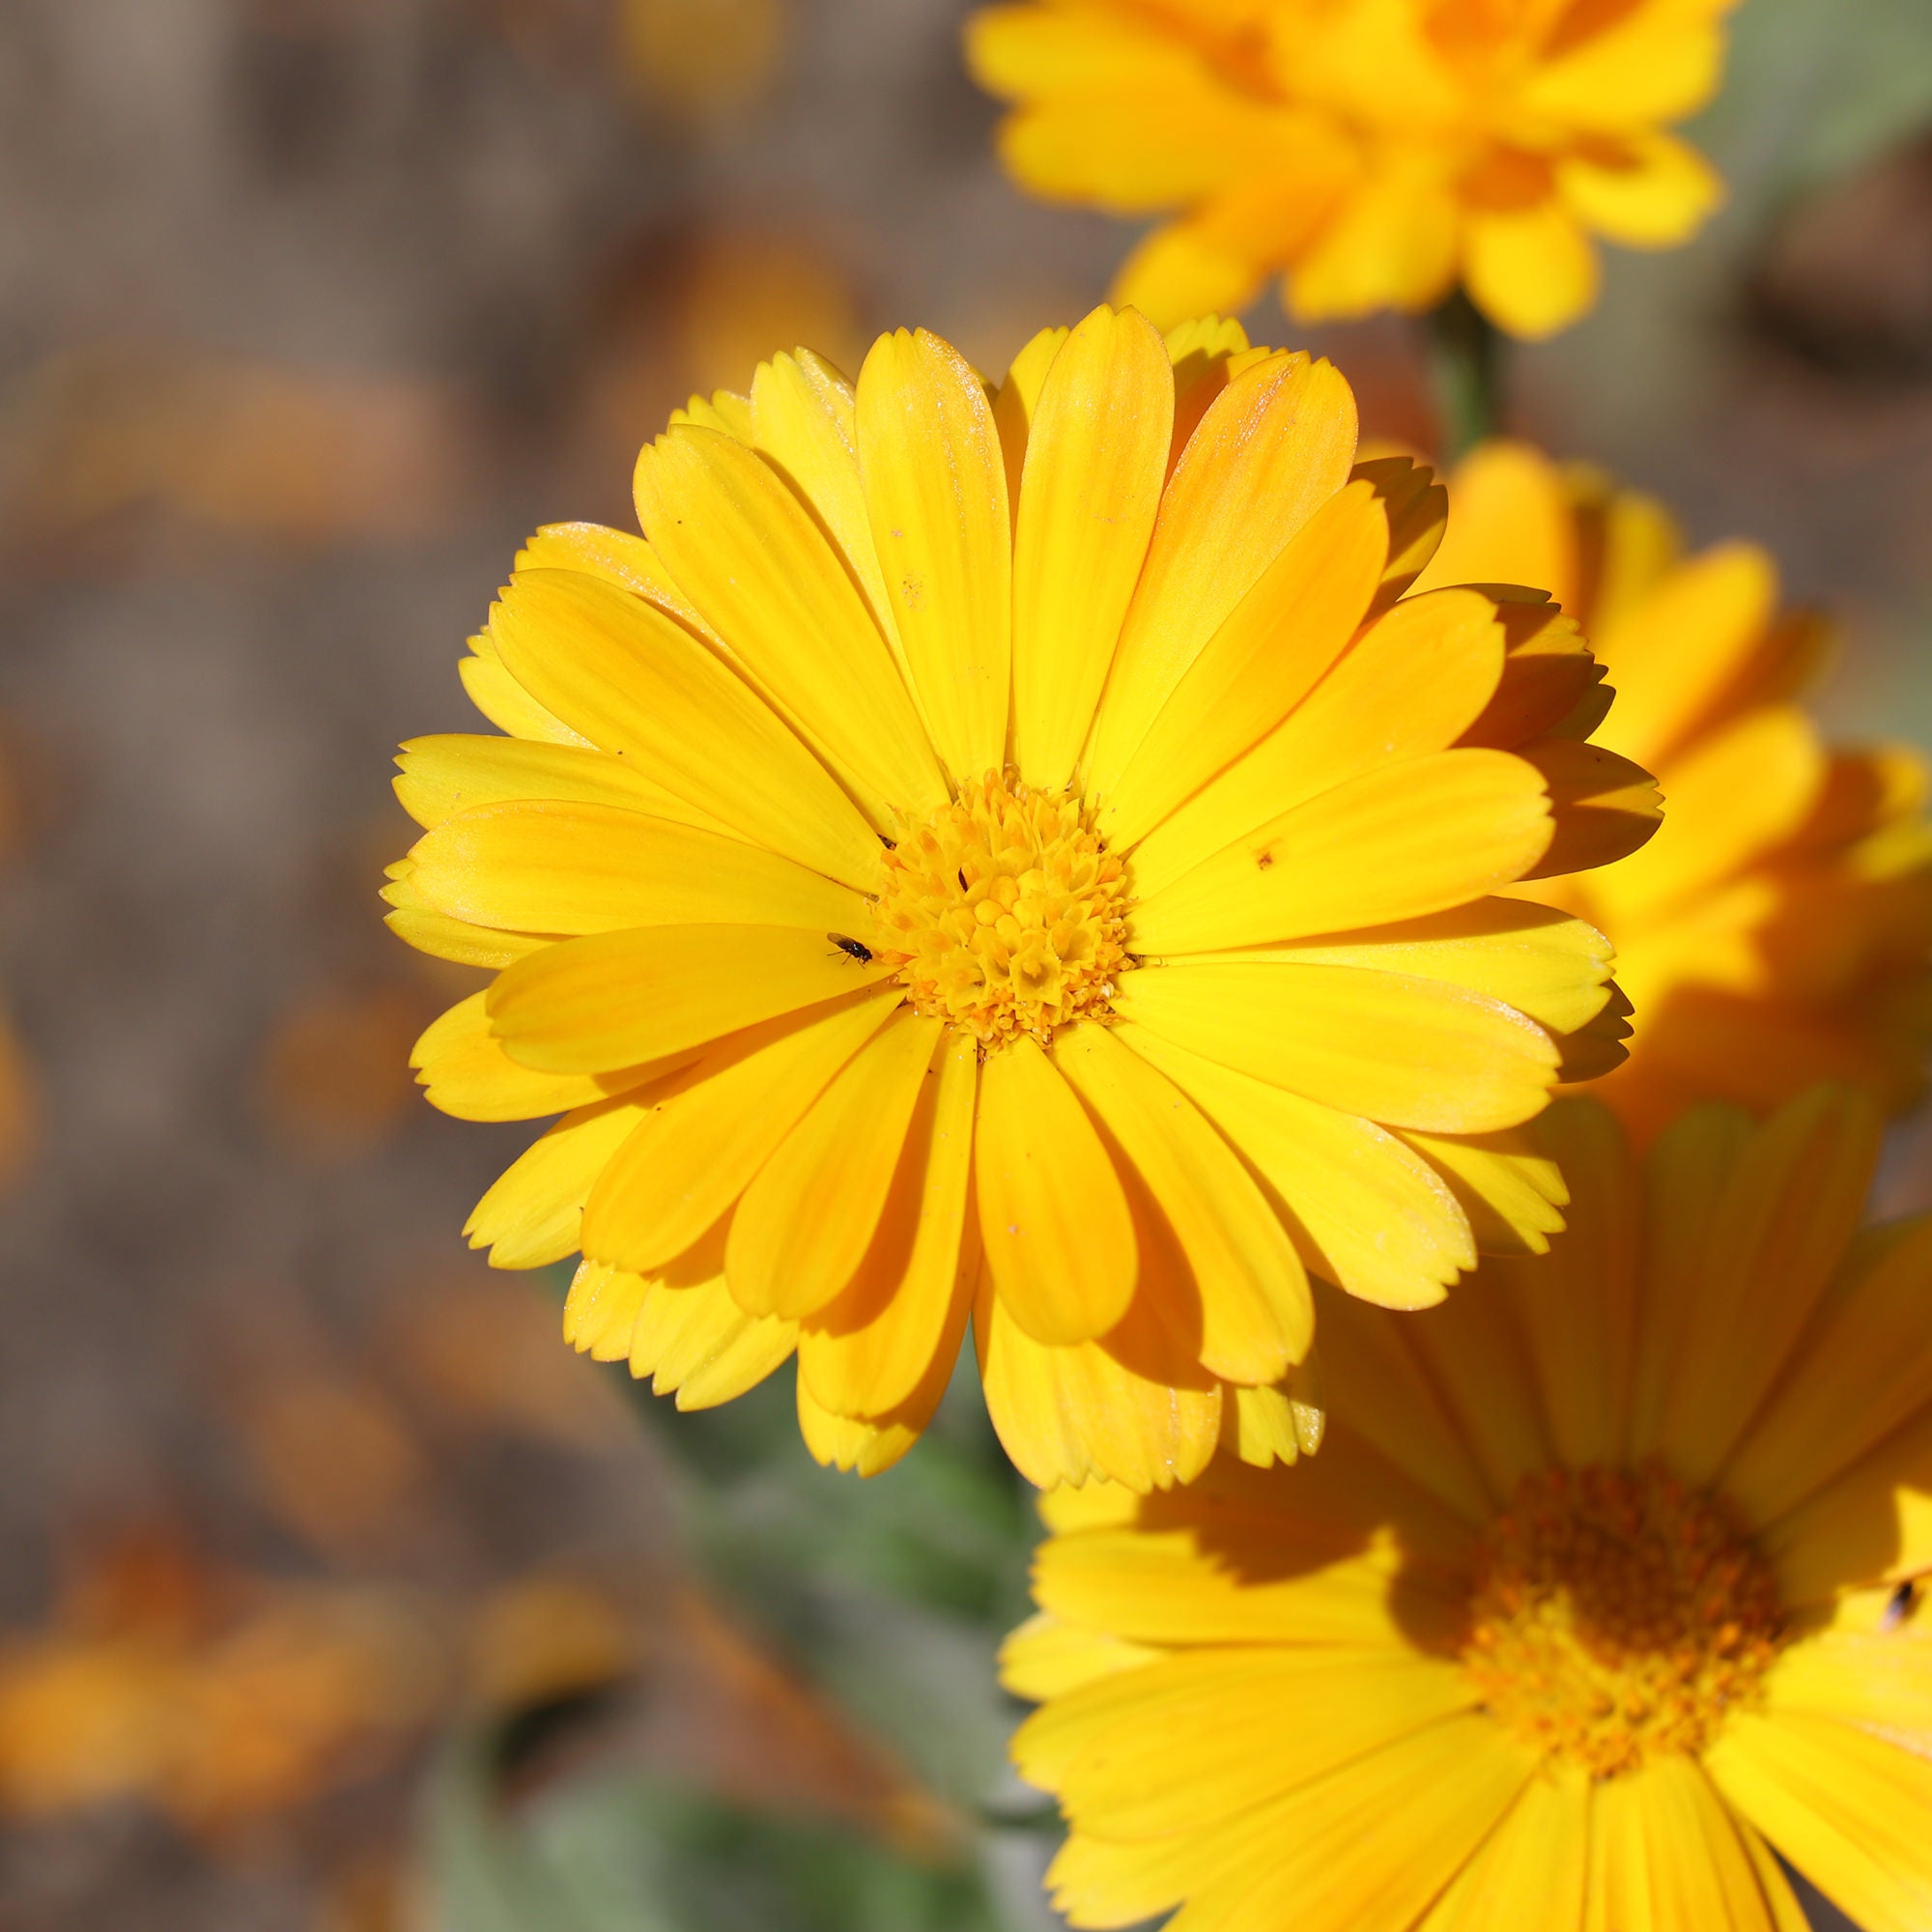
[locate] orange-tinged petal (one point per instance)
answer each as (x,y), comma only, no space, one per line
(1510,521)
(1409,1052)
(1095,460)
(707,1137)
(1181,271)
(1651,192)
(543,865)
(804,1224)
(935,486)
(1273,446)
(867,1352)
(1400,841)
(643,689)
(1256,1318)
(746,553)
(614,998)
(1059,1237)
(1389,242)
(1267,654)
(1652,64)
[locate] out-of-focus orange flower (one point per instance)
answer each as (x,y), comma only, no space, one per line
(1778,929)
(18,1111)
(701,60)
(216,1698)
(330,1069)
(301,455)
(1377,152)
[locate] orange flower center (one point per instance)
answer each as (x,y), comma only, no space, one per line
(1617,1616)
(1006,911)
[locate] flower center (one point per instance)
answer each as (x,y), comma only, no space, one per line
(1617,1616)
(1006,911)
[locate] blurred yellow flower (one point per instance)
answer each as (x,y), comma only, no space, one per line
(1779,930)
(1374,151)
(1599,1590)
(1021,855)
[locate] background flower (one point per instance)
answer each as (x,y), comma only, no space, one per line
(1778,930)
(1377,152)
(1084,914)
(1601,1587)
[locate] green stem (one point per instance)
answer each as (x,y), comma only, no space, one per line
(1465,370)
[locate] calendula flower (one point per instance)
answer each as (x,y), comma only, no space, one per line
(1778,930)
(1018,855)
(1599,1591)
(1374,151)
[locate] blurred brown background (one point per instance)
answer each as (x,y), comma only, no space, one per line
(309,311)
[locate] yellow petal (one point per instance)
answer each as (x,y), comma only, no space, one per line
(1016,401)
(1665,1853)
(1370,1213)
(1274,445)
(1044,1658)
(1413,683)
(1072,1414)
(1181,270)
(1256,1313)
(465,1072)
(1511,1190)
(1019,52)
(442,776)
(849,1442)
(1603,806)
(1097,458)
(1263,661)
(936,488)
(804,1224)
(507,705)
(1863,1370)
(867,1352)
(616,555)
(537,865)
(1880,1680)
(1531,271)
(1649,192)
(1510,521)
(1776,1233)
(1417,509)
(695,1342)
(614,998)
(1322,1859)
(602,1310)
(744,550)
(1059,1238)
(533,1215)
(1649,64)
(1540,1850)
(1846,1808)
(1399,841)
(706,1139)
(1554,969)
(1673,654)
(444,938)
(1190,1739)
(801,414)
(1410,1052)
(646,691)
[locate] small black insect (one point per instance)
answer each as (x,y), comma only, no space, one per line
(963,885)
(851,948)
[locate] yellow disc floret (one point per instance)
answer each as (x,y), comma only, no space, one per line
(1617,1616)
(1007,911)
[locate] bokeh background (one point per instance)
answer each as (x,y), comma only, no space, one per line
(335,1595)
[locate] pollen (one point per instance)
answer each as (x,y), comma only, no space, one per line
(1618,1616)
(1007,914)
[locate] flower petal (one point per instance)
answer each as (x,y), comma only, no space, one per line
(614,998)
(533,1214)
(935,487)
(804,1224)
(1095,460)
(1060,1241)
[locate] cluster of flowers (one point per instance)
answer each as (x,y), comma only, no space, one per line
(1100,858)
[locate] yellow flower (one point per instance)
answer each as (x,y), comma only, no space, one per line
(1032,831)
(1779,930)
(1597,1590)
(1377,152)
